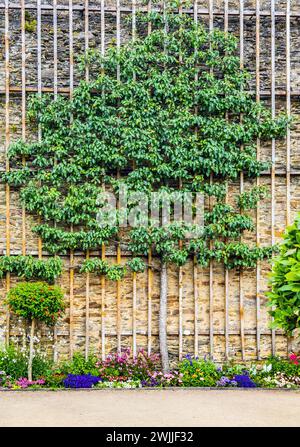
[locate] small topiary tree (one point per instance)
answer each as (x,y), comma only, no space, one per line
(285,282)
(37,301)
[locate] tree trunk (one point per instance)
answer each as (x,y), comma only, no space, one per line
(163,342)
(31,351)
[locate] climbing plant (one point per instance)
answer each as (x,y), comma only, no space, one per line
(177,118)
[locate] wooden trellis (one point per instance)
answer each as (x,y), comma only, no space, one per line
(193,325)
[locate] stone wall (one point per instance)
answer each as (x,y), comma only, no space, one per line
(212,315)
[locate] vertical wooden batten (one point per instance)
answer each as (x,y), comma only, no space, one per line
(39,88)
(55,48)
(71,272)
(257,96)
(7,142)
(23,127)
(87,310)
(241,291)
(55,329)
(226,272)
(23,107)
(119,323)
(195,266)
(273,341)
(180,272)
(180,307)
(134,302)
(87,282)
(149,269)
(102,277)
(288,111)
(103,311)
(149,316)
(134,274)
(211,264)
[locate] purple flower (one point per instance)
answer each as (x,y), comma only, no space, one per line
(80,381)
(244,381)
(151,382)
(189,358)
(225,381)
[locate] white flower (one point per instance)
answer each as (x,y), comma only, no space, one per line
(267,368)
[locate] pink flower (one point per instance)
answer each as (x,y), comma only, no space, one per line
(23,382)
(294,359)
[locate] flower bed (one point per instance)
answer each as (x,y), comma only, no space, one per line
(144,371)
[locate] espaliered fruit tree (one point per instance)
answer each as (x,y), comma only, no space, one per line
(172,121)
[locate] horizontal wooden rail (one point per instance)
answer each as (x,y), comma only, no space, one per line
(278,172)
(127,9)
(66,90)
(173,333)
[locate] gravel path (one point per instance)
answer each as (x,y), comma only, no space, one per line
(138,408)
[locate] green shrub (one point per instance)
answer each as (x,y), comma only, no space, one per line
(14,362)
(36,301)
(278,373)
(284,297)
(198,372)
(79,365)
(275,365)
(232,369)
(54,380)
